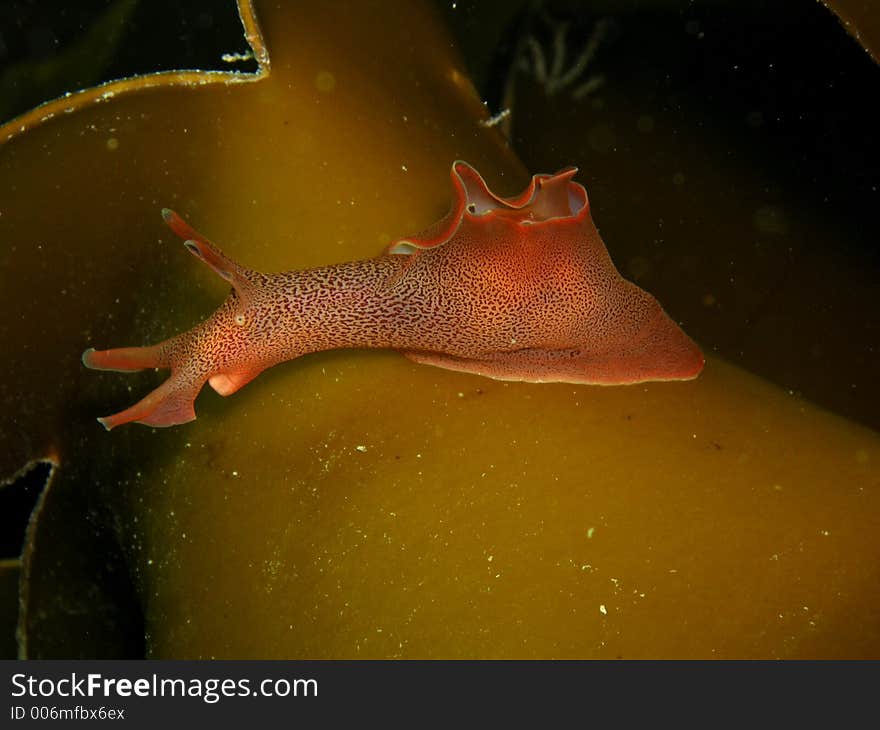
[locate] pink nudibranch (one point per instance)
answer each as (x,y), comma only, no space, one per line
(515,288)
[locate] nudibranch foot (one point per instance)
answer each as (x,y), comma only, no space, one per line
(576,365)
(230,381)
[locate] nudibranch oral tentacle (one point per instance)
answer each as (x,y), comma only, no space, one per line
(518,288)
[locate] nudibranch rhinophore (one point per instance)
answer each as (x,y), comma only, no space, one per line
(515,288)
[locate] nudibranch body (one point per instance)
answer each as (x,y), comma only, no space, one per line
(516,288)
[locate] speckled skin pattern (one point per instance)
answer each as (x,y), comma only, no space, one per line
(515,289)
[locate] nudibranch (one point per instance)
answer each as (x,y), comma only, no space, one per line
(517,288)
